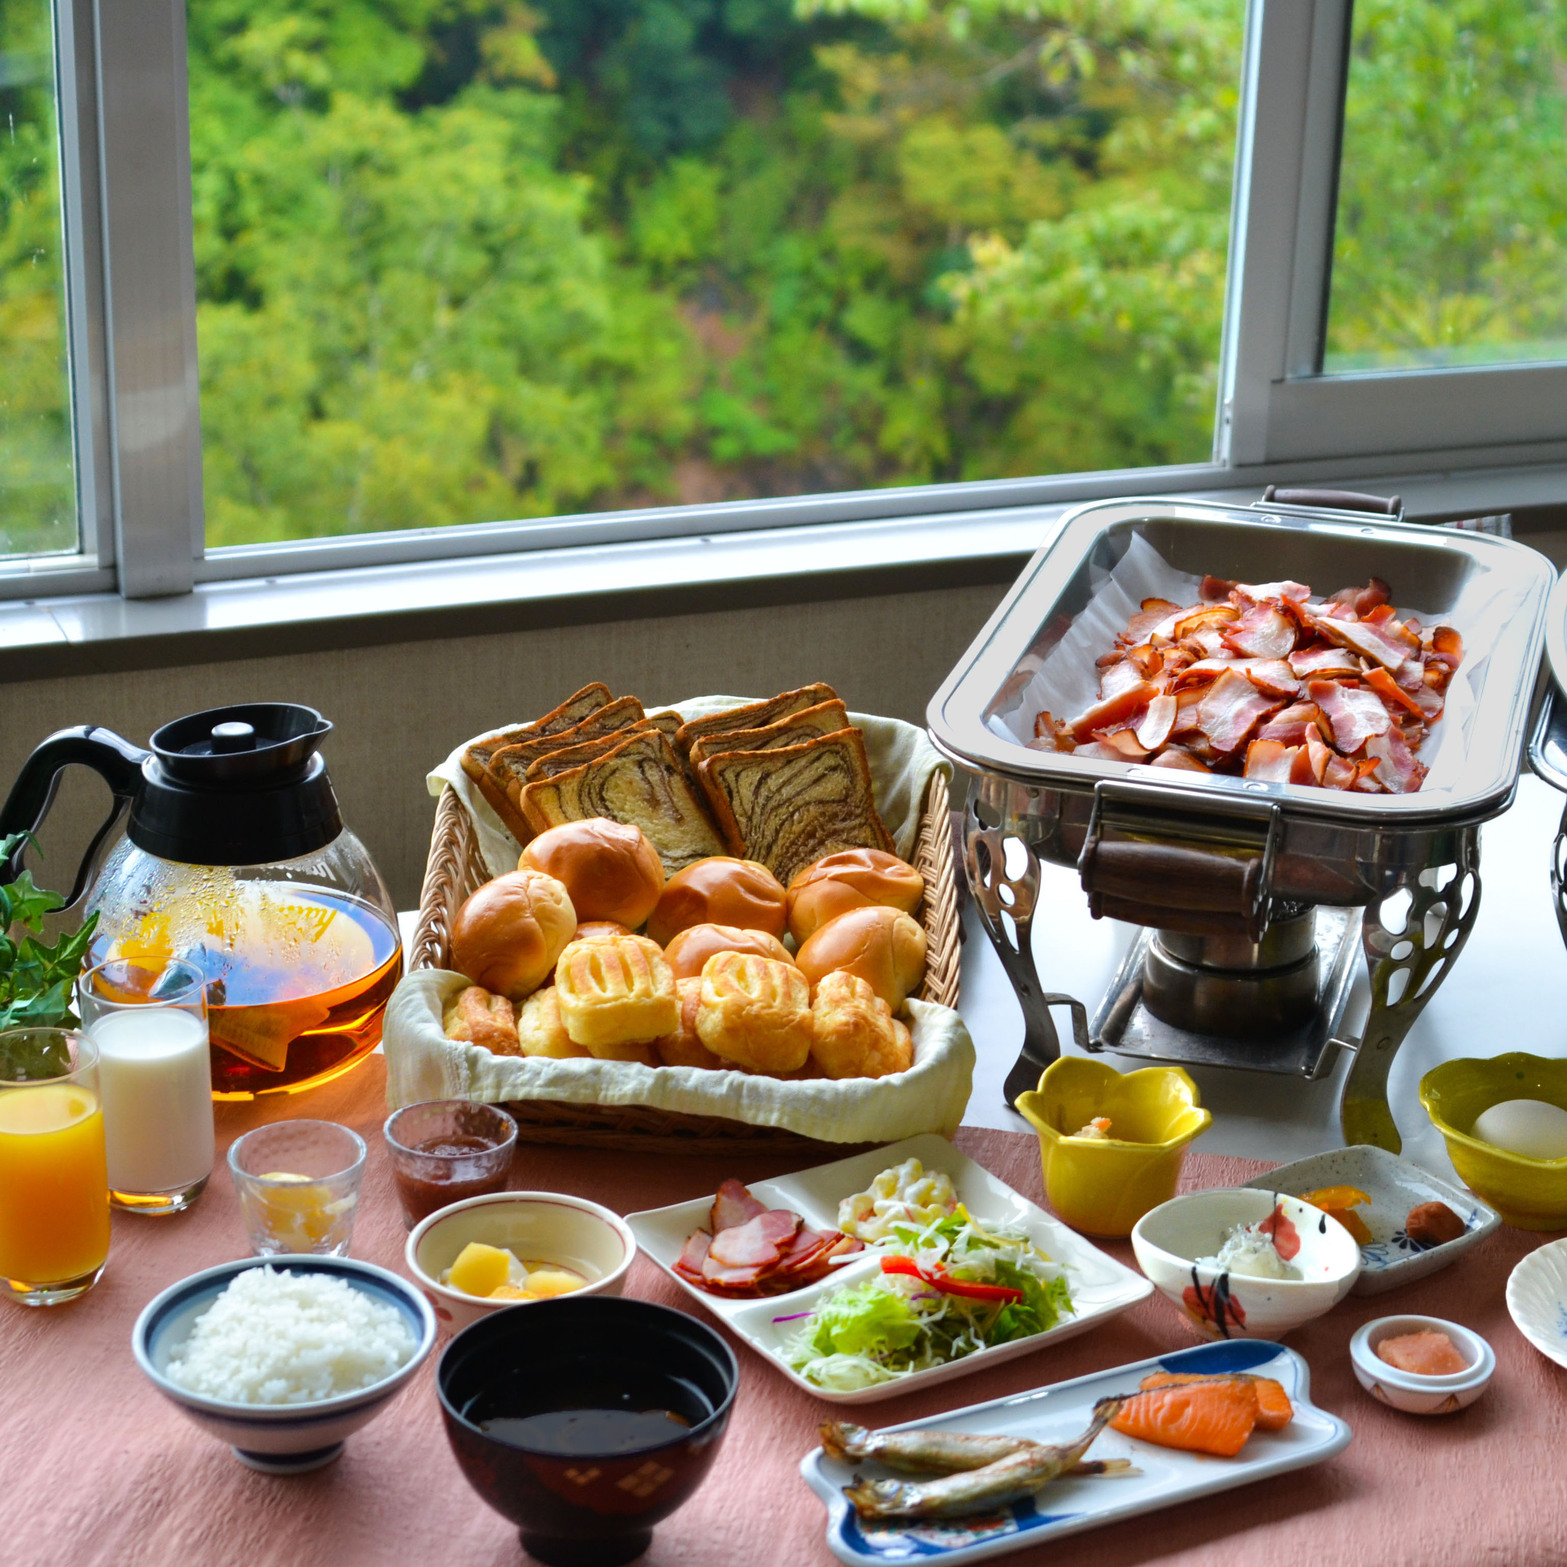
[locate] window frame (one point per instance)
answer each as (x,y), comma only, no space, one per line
(122,92)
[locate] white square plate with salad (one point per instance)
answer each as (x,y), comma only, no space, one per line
(1100,1287)
(1070,1505)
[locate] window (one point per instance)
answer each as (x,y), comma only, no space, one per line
(470,276)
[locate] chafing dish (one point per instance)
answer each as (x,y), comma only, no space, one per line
(1251,893)
(1548,740)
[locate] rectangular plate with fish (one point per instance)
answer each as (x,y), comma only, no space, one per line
(1069,1506)
(1101,1287)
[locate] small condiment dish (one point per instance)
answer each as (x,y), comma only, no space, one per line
(1103,1187)
(281,1439)
(1225,1304)
(537,1226)
(1528,1193)
(1408,1390)
(547,1411)
(1395,1186)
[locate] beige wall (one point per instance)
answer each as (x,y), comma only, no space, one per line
(399,709)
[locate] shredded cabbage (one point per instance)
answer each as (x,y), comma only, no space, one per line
(891,1325)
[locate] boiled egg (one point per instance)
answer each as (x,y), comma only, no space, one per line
(1531,1127)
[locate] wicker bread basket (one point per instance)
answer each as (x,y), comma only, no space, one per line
(455,869)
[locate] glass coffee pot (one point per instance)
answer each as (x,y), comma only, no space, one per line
(234,857)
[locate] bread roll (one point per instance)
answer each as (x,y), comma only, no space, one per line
(615,994)
(540,1030)
(689,951)
(720,890)
(856,1034)
(882,946)
(684,1046)
(610,869)
(755,1012)
(511,932)
(475,1017)
(599,930)
(850,879)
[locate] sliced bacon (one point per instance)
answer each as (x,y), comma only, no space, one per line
(1396,768)
(1123,745)
(1339,774)
(1120,677)
(1215,590)
(758,1242)
(1262,632)
(734,1205)
(1206,617)
(1272,675)
(1271,762)
(1231,708)
(1116,709)
(1157,722)
(1182,760)
(1294,723)
(1378,616)
(1447,645)
(1318,755)
(692,1255)
(1324,662)
(1271,592)
(1392,693)
(1411,674)
(1375,642)
(1355,715)
(1375,593)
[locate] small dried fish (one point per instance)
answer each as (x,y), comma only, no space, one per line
(929,1452)
(1028,1469)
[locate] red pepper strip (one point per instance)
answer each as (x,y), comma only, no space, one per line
(950,1286)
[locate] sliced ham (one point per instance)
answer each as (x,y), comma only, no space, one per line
(1262,632)
(1355,715)
(692,1255)
(1231,708)
(1157,722)
(1116,709)
(758,1242)
(734,1205)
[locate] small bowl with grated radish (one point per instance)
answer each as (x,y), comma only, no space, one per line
(284,1357)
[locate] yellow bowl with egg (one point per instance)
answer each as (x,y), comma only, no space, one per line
(1528,1193)
(1104,1186)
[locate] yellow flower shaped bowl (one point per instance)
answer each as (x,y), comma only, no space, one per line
(1528,1193)
(1104,1186)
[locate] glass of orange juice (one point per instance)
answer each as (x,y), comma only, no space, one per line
(54,1177)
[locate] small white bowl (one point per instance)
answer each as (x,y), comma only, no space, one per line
(1406,1390)
(547,1225)
(1537,1299)
(279,1439)
(1218,1304)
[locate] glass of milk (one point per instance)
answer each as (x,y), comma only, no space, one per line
(148,1018)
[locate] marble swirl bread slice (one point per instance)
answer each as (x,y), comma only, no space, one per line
(476,757)
(790,806)
(509,766)
(640,782)
(754,715)
(563,760)
(826,718)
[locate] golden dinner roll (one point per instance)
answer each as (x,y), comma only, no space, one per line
(881,945)
(684,1047)
(476,1017)
(689,950)
(720,890)
(850,879)
(615,993)
(755,1012)
(540,1030)
(610,869)
(511,932)
(856,1033)
(600,930)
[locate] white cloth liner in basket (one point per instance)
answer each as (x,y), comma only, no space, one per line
(421,1063)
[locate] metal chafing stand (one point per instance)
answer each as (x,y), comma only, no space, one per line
(1251,894)
(1548,741)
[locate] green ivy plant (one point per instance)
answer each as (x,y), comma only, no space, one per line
(36,981)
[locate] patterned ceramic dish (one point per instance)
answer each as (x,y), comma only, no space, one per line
(1056,1414)
(1394,1186)
(1537,1300)
(1225,1304)
(1414,1394)
(278,1438)
(1101,1287)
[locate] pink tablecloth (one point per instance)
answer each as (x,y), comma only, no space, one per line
(95,1468)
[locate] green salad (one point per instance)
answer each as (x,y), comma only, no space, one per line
(947,1289)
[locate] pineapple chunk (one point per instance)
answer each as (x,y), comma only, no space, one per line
(480,1270)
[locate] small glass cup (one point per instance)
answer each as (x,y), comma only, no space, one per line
(54,1182)
(446,1150)
(298,1186)
(149,1022)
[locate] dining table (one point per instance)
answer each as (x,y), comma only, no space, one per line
(98,1470)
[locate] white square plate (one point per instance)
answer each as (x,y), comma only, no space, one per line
(1059,1413)
(1101,1287)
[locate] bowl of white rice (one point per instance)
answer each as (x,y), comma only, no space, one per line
(284,1357)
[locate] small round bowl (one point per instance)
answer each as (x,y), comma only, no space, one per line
(427,1182)
(1105,1187)
(1220,1304)
(1528,1193)
(1414,1394)
(578,1503)
(547,1225)
(278,1438)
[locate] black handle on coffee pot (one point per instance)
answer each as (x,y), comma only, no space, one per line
(112,757)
